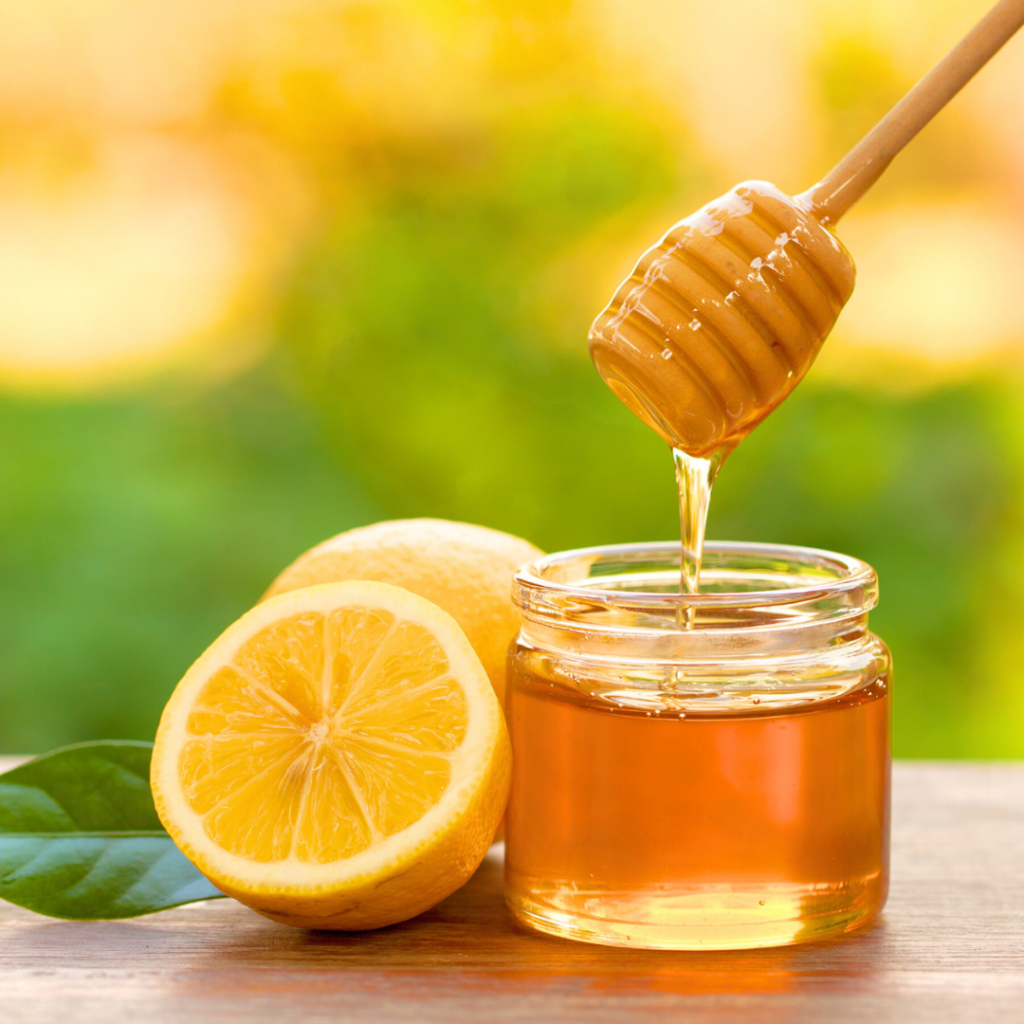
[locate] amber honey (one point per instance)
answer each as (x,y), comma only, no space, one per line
(718,786)
(723,317)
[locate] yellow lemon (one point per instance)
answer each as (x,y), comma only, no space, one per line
(336,759)
(464,569)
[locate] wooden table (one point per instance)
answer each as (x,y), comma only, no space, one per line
(950,947)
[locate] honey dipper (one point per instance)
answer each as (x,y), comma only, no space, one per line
(723,317)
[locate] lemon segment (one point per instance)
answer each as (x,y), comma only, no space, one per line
(336,759)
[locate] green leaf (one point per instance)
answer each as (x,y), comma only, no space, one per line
(80,837)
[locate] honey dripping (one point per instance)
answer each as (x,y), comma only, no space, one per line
(724,316)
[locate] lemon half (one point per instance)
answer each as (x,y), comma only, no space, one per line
(336,759)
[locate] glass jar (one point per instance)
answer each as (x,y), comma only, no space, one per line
(697,771)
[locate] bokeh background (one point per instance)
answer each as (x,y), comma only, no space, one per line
(276,268)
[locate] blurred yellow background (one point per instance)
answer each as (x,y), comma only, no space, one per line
(272,269)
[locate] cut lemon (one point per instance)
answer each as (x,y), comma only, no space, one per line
(336,759)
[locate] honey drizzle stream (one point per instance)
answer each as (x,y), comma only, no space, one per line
(695,477)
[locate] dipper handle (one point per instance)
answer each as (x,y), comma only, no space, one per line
(862,166)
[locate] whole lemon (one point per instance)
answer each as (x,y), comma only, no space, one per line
(464,569)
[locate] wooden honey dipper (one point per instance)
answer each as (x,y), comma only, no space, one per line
(723,317)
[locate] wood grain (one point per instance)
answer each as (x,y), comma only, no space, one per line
(949,947)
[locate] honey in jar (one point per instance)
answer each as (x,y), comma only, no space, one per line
(718,786)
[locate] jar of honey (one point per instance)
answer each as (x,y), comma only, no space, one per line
(703,771)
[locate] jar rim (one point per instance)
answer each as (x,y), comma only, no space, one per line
(782,582)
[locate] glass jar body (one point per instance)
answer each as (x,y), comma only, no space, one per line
(723,786)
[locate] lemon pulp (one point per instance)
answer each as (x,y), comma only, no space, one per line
(299,747)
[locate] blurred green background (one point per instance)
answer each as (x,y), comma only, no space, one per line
(274,272)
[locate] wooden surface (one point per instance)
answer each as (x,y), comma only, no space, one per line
(949,947)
